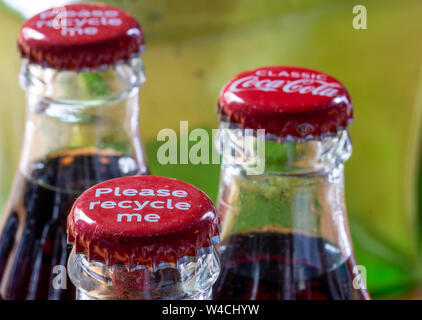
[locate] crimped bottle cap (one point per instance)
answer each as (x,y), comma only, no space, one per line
(142,222)
(289,102)
(80,36)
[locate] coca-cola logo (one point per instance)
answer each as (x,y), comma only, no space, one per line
(314,87)
(304,129)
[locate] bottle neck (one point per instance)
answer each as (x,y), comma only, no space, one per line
(246,149)
(284,232)
(82,113)
(301,189)
(190,279)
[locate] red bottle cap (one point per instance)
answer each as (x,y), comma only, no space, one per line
(288,102)
(142,221)
(80,36)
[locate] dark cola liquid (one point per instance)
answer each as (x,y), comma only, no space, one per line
(33,229)
(284,266)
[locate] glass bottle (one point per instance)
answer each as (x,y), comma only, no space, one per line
(82,86)
(143,238)
(284,141)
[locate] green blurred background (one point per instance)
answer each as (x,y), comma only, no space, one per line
(195,46)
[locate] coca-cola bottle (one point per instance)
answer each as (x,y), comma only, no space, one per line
(82,72)
(284,141)
(143,237)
